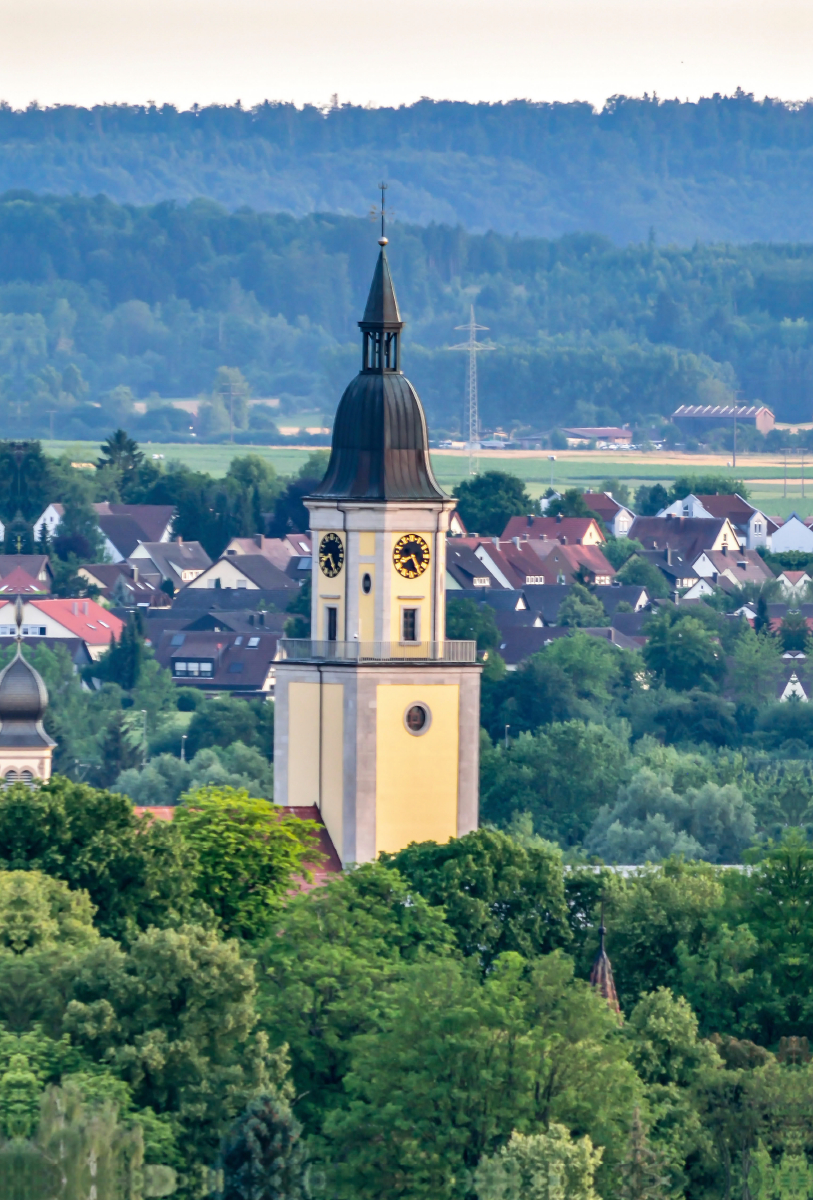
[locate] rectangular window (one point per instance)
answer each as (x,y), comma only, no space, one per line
(180,668)
(241,582)
(332,623)
(205,668)
(193,668)
(409,625)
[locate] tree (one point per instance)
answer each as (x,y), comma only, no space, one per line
(136,872)
(794,633)
(707,485)
(123,660)
(581,609)
(299,624)
(25,480)
(571,503)
(618,550)
(650,500)
(467,620)
(617,489)
(642,573)
(227,719)
(264,1156)
(683,652)
(536,775)
(548,1044)
(121,451)
(496,895)
(545,1166)
(246,854)
(488,501)
(755,669)
(650,822)
(326,972)
(78,534)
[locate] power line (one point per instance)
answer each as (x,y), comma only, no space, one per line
(472,347)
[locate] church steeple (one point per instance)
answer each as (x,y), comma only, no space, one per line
(381,324)
(601,976)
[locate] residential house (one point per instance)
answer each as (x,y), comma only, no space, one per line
(564,563)
(178,562)
(193,602)
(794,585)
(628,593)
(34,566)
(219,661)
(465,570)
(49,618)
(678,568)
(617,519)
(734,567)
(279,551)
(19,583)
(689,536)
(570,531)
(76,649)
(792,534)
(519,643)
(244,571)
(519,562)
(122,585)
(753,527)
(122,525)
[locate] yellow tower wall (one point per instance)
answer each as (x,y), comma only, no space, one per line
(416,777)
(331,801)
(303,744)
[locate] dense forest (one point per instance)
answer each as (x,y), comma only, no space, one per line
(722,169)
(101,304)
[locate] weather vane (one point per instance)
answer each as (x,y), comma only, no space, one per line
(375,212)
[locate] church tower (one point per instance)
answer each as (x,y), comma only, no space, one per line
(377,716)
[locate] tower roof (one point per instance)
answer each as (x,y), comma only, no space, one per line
(601,976)
(380,447)
(382,306)
(23,699)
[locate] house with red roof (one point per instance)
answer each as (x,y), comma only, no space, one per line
(571,531)
(49,618)
(19,583)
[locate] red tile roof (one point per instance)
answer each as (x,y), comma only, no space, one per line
(20,582)
(84,618)
(330,865)
(575,529)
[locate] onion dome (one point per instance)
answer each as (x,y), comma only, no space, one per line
(23,699)
(380,447)
(23,695)
(601,976)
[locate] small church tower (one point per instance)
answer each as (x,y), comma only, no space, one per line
(25,747)
(377,715)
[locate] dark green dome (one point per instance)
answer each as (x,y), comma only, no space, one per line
(380,447)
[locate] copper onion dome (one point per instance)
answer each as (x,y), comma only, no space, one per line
(380,447)
(23,698)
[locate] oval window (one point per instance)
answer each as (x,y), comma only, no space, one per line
(366,584)
(417,719)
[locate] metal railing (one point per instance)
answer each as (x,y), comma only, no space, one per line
(357,651)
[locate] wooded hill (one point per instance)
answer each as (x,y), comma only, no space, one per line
(96,296)
(723,169)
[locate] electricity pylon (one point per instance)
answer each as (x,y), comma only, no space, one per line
(472,346)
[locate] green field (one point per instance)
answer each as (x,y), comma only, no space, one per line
(765,477)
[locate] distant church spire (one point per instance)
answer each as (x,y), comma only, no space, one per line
(601,976)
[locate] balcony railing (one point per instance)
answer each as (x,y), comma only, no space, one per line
(357,651)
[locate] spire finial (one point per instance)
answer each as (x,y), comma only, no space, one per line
(18,619)
(383,240)
(601,976)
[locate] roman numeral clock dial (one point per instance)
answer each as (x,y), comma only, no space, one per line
(331,555)
(410,555)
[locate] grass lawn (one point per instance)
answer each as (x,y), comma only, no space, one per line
(764,474)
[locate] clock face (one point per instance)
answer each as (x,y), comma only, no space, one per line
(410,556)
(331,555)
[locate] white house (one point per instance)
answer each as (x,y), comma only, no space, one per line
(793,584)
(753,527)
(792,535)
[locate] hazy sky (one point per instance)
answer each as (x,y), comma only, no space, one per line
(182,51)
